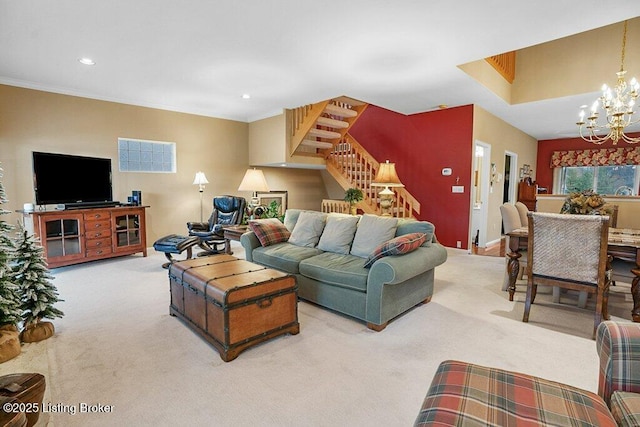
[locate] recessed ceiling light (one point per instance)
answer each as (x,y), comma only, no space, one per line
(246,96)
(86,61)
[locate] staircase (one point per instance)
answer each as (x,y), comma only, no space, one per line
(321,130)
(318,127)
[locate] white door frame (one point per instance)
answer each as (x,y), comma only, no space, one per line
(479,216)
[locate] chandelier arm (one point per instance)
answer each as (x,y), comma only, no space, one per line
(593,138)
(629,140)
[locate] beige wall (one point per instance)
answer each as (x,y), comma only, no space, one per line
(502,137)
(40,121)
(564,67)
(549,70)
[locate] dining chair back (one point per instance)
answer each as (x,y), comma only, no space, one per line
(568,251)
(523,211)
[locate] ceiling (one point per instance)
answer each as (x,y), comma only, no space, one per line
(201,56)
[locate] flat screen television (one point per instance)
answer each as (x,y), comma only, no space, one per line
(69,179)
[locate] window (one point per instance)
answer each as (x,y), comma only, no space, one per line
(138,155)
(608,180)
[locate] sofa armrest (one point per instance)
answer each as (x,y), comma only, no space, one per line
(399,268)
(618,347)
(249,242)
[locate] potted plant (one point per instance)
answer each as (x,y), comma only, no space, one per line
(353,196)
(39,294)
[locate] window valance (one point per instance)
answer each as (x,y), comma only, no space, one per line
(596,157)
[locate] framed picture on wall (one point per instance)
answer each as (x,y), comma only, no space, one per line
(265,198)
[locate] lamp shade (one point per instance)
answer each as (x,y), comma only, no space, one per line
(200,179)
(253,181)
(387,176)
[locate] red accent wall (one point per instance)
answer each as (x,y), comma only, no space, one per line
(546,147)
(421,145)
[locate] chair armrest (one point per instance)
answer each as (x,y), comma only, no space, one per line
(618,347)
(198,226)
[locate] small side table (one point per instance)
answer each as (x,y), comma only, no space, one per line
(233,233)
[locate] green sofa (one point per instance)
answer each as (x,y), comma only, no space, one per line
(337,278)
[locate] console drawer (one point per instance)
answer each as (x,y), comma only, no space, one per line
(97,234)
(99,243)
(99,252)
(97,225)
(97,216)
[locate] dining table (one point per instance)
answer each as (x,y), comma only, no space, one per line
(622,243)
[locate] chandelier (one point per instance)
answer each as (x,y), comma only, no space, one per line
(618,106)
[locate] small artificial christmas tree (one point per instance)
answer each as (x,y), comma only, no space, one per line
(9,292)
(38,293)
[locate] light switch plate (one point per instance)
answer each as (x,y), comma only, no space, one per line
(457,188)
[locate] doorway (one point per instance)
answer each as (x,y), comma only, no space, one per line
(510,177)
(480,193)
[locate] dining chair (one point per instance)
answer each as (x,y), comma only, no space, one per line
(570,252)
(510,221)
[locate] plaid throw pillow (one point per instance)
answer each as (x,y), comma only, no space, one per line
(396,246)
(269,231)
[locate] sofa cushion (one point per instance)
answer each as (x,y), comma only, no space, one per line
(338,233)
(291,217)
(283,256)
(308,229)
(397,246)
(408,226)
(372,231)
(269,231)
(346,271)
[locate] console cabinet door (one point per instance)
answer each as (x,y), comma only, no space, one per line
(129,231)
(62,238)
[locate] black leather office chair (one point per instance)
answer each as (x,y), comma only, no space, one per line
(227,211)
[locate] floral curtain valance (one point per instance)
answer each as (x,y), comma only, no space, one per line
(597,157)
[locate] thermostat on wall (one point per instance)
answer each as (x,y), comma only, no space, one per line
(446,171)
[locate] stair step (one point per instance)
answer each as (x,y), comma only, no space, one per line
(339,111)
(316,144)
(321,133)
(332,123)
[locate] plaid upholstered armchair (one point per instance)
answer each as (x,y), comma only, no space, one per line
(467,394)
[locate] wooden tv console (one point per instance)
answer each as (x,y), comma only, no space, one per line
(81,235)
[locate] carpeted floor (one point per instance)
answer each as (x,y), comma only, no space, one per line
(118,347)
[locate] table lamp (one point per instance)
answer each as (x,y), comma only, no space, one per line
(253,181)
(386,177)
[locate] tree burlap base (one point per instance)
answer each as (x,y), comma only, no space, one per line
(37,332)
(9,343)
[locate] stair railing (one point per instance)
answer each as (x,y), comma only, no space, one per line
(359,168)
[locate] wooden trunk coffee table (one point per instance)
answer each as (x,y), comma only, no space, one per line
(234,304)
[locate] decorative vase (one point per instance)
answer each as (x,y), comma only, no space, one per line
(353,209)
(9,343)
(37,332)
